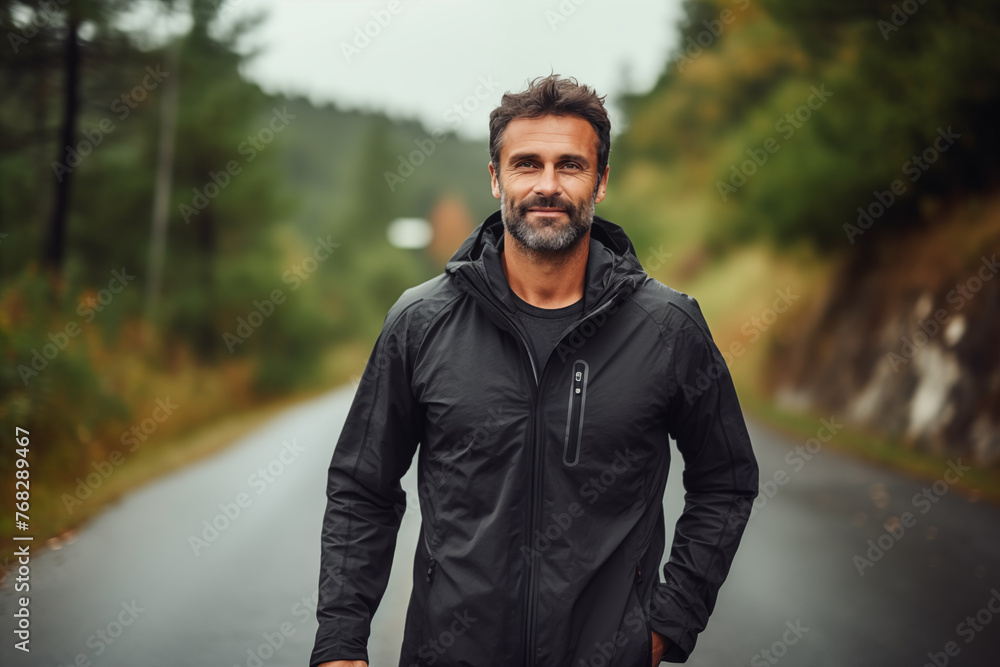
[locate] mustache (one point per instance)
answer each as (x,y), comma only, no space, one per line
(554,201)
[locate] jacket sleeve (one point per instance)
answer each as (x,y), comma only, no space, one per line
(365,502)
(720,482)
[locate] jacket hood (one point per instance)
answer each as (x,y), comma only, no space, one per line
(612,266)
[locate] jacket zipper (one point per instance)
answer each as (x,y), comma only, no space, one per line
(526,622)
(528,625)
(531,601)
(574,413)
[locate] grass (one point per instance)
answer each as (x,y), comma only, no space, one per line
(52,522)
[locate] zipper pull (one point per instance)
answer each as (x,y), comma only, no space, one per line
(430,570)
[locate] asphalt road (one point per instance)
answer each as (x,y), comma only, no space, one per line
(134,589)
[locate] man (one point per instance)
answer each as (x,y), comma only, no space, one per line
(542,375)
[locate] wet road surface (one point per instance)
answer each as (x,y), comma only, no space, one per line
(137,587)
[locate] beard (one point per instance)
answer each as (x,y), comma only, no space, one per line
(550,237)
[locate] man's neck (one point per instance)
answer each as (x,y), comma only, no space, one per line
(545,280)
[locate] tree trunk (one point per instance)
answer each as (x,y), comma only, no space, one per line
(55,244)
(164,183)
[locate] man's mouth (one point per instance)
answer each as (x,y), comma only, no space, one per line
(546,211)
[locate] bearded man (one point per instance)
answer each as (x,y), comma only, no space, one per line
(543,374)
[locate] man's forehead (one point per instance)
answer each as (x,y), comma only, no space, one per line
(550,133)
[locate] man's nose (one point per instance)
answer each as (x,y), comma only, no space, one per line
(547,184)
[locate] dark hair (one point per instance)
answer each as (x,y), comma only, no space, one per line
(553,96)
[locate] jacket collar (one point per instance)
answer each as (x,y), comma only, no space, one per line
(613,270)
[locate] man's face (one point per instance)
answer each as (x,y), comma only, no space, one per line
(548,181)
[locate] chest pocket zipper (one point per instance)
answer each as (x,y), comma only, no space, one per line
(574,416)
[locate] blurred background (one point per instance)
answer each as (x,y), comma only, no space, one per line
(207,207)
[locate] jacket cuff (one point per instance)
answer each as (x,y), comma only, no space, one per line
(667,618)
(338,649)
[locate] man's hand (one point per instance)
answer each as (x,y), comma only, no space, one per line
(345,663)
(659,647)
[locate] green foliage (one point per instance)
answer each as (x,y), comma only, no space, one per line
(48,384)
(262,188)
(896,79)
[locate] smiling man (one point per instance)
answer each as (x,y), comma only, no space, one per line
(542,375)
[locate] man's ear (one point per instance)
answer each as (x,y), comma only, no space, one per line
(603,189)
(494,183)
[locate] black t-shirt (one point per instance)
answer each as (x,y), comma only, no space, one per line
(544,325)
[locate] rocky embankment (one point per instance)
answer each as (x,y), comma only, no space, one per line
(907,341)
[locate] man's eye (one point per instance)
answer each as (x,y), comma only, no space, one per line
(523,163)
(572,165)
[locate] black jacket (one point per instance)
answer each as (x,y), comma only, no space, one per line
(540,487)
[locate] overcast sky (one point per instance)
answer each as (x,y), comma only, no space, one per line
(431,55)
